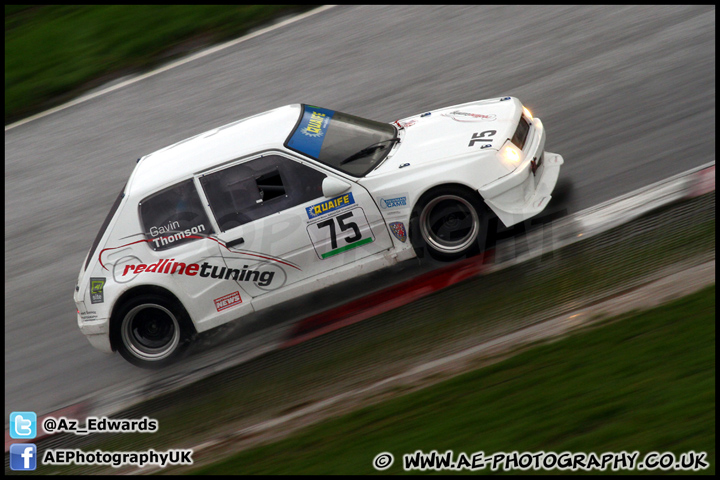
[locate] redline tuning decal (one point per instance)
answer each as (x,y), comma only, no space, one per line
(227,301)
(171,267)
(239,252)
(407,124)
(459,116)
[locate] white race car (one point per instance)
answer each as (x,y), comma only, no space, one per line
(283,203)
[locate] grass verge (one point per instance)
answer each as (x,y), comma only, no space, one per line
(646,383)
(53,53)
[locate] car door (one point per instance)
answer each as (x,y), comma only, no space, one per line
(181,252)
(276,226)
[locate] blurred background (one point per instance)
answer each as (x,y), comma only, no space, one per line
(627,95)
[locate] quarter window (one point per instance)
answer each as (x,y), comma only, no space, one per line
(252,190)
(174,216)
(105,224)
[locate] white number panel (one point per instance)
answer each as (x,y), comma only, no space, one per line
(340,233)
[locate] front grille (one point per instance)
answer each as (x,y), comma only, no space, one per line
(521,132)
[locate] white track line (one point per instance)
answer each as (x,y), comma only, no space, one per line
(169,66)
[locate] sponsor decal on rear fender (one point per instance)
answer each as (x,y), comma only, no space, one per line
(394,200)
(398,229)
(96,289)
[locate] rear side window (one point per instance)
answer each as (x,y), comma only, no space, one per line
(174,216)
(252,190)
(105,224)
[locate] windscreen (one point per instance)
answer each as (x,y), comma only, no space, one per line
(351,144)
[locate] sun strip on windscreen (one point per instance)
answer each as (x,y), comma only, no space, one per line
(310,133)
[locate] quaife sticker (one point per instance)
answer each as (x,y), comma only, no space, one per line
(96,290)
(330,205)
(310,133)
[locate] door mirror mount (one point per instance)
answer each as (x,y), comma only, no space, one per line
(332,187)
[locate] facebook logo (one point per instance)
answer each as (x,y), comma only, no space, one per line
(23,425)
(23,456)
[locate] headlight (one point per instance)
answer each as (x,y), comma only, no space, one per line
(527,113)
(510,155)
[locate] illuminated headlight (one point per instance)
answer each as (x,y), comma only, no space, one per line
(510,155)
(527,113)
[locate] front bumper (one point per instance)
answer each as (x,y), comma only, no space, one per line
(523,194)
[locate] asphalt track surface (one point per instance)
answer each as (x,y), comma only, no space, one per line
(627,95)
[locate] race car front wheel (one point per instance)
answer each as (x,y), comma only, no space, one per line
(150,331)
(447,222)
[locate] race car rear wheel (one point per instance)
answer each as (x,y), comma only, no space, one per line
(150,331)
(447,222)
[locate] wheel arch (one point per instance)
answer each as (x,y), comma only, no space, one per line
(430,190)
(142,290)
(415,241)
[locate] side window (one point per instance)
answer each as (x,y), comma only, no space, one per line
(174,216)
(243,193)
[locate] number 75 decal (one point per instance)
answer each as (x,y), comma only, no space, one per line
(340,233)
(482,137)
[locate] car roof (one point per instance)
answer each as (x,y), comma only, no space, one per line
(180,161)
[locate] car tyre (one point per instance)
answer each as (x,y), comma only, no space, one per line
(448,223)
(151,331)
